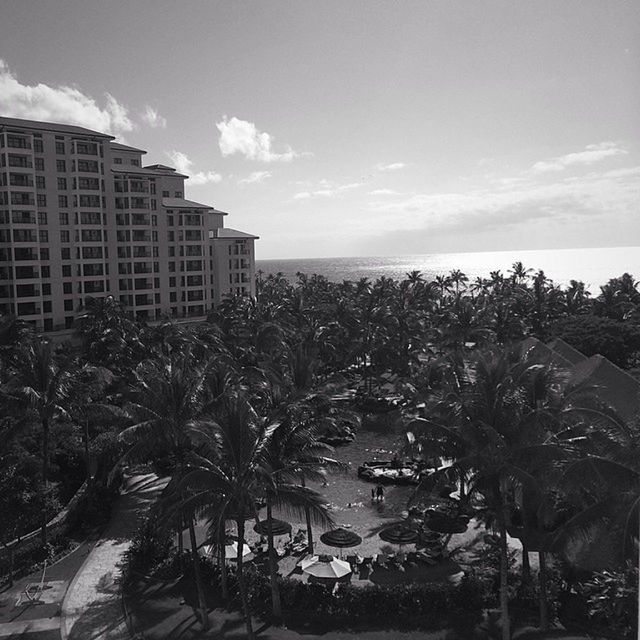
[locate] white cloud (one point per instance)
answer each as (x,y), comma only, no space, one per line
(153,118)
(384,192)
(591,154)
(609,195)
(256,176)
(328,190)
(393,166)
(60,104)
(183,163)
(241,136)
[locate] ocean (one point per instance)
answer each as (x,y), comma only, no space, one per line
(594,267)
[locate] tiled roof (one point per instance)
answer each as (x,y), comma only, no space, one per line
(613,385)
(181,203)
(233,233)
(567,351)
(543,353)
(129,168)
(69,129)
(116,146)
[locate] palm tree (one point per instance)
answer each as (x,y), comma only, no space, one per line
(226,476)
(169,401)
(483,430)
(43,384)
(294,454)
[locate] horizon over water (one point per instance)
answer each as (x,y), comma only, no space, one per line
(593,266)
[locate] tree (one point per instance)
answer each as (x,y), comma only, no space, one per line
(494,442)
(226,477)
(168,402)
(43,384)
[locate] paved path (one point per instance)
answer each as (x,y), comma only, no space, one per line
(92,608)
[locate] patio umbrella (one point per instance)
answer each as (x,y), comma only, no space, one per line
(444,524)
(341,538)
(399,534)
(230,549)
(325,567)
(279,527)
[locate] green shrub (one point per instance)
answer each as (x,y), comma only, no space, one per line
(426,606)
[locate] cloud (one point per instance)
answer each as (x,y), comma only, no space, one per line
(609,195)
(60,104)
(384,192)
(153,118)
(183,163)
(328,190)
(592,153)
(241,136)
(394,166)
(256,176)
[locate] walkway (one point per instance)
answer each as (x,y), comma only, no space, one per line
(92,608)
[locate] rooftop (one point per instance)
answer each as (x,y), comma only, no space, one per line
(233,233)
(69,129)
(182,203)
(116,146)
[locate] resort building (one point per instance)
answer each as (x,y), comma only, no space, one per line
(80,216)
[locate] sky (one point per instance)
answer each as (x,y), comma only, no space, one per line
(354,128)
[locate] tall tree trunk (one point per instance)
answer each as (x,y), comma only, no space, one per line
(307,515)
(504,574)
(526,566)
(202,603)
(542,577)
(222,564)
(241,585)
(276,605)
(45,479)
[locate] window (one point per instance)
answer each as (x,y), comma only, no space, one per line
(45,271)
(42,217)
(135,162)
(40,182)
(60,148)
(42,200)
(64,235)
(62,184)
(46,306)
(178,194)
(64,217)
(37,146)
(165,194)
(89,201)
(117,161)
(46,290)
(61,166)
(154,221)
(39,164)
(153,204)
(67,287)
(63,202)
(68,304)
(173,297)
(43,235)
(44,254)
(90,217)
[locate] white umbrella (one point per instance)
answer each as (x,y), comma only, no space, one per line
(230,550)
(325,567)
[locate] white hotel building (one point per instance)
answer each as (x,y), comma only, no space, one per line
(81,216)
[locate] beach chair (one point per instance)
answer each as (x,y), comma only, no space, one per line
(33,592)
